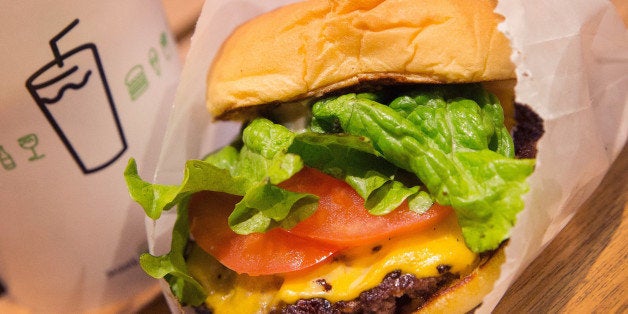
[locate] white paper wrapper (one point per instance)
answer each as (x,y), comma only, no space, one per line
(572,69)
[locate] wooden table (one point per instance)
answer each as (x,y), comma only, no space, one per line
(582,270)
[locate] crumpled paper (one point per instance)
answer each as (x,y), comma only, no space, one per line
(572,69)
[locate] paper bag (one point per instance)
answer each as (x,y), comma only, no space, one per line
(572,69)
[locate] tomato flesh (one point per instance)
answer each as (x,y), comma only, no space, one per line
(340,221)
(341,218)
(275,251)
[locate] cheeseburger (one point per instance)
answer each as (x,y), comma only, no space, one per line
(376,171)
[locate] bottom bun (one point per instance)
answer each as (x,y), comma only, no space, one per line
(466,294)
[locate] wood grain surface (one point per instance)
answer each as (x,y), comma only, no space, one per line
(583,270)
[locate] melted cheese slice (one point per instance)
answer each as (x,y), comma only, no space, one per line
(350,273)
(362,268)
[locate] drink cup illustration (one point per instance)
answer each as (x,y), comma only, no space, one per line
(73,94)
(70,235)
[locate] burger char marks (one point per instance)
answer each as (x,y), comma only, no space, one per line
(326,286)
(397,293)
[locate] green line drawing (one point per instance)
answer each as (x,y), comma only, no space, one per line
(136,81)
(6,160)
(153,60)
(30,141)
(163,42)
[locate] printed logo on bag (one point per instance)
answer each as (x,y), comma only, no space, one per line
(73,93)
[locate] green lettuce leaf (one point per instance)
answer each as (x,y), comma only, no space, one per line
(172,266)
(264,156)
(451,141)
(198,176)
(267,206)
(458,147)
(353,159)
(252,172)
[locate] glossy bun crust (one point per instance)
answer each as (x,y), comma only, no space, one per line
(314,47)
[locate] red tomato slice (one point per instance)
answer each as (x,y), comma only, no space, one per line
(341,218)
(276,251)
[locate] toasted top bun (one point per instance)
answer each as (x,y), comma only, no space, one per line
(314,47)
